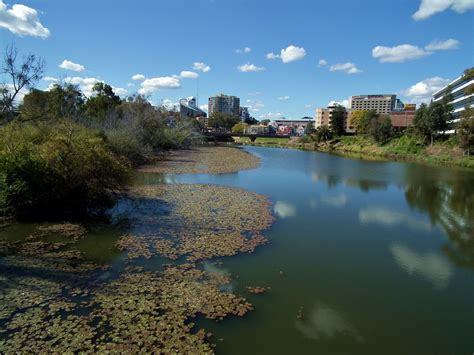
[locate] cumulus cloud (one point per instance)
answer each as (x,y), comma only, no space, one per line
(288,54)
(120,91)
(22,20)
(151,85)
(243,50)
(271,116)
(189,74)
(349,68)
(344,103)
(204,107)
(85,84)
(423,90)
(201,66)
(443,45)
(430,7)
(50,78)
(244,68)
(398,54)
(138,77)
(322,63)
(282,98)
(68,65)
(431,266)
(254,105)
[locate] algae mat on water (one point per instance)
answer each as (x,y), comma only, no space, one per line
(62,303)
(205,160)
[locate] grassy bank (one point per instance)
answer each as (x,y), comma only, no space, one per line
(406,147)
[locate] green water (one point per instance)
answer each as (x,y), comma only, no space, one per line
(377,257)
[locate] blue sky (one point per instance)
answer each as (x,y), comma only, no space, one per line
(407,47)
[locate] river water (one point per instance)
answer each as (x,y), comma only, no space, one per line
(365,257)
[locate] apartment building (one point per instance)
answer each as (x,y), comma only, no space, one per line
(324,115)
(382,104)
(224,104)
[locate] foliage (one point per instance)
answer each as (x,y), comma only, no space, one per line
(380,128)
(365,121)
(465,131)
(239,127)
(337,120)
(468,73)
(432,119)
(357,118)
(223,120)
(22,76)
(305,139)
(323,134)
(310,128)
(56,170)
(102,101)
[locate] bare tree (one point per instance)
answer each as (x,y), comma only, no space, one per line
(22,75)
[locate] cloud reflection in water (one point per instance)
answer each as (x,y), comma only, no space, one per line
(284,209)
(389,217)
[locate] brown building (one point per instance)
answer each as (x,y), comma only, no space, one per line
(324,115)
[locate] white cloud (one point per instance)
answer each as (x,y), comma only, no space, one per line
(249,68)
(288,54)
(169,104)
(344,103)
(349,68)
(189,74)
(256,93)
(282,98)
(255,105)
(271,115)
(430,7)
(68,65)
(50,78)
(130,85)
(431,266)
(85,84)
(322,63)
(201,66)
(422,90)
(151,85)
(308,106)
(284,209)
(204,107)
(244,50)
(120,91)
(22,20)
(443,45)
(398,54)
(138,77)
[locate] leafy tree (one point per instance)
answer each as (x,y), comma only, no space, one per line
(323,134)
(223,120)
(22,76)
(357,118)
(381,128)
(251,121)
(338,118)
(469,73)
(309,128)
(432,119)
(465,131)
(102,101)
(239,127)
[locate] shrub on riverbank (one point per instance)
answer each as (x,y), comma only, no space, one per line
(56,170)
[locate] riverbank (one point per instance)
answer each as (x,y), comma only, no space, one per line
(403,148)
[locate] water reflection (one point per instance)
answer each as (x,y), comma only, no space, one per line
(325,323)
(389,217)
(338,200)
(284,209)
(431,266)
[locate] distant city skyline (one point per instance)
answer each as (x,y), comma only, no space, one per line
(282,58)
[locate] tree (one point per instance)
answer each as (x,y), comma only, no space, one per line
(239,128)
(323,134)
(309,128)
(381,128)
(432,119)
(338,120)
(223,120)
(357,118)
(465,131)
(102,101)
(22,76)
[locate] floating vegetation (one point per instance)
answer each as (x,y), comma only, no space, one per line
(206,221)
(257,289)
(205,160)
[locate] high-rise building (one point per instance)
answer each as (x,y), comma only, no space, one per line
(244,114)
(383,104)
(224,104)
(462,93)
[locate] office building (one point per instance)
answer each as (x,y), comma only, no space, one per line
(188,108)
(382,104)
(224,104)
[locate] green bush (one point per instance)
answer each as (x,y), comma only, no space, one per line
(305,139)
(126,145)
(57,170)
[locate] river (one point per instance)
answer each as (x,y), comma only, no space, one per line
(365,257)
